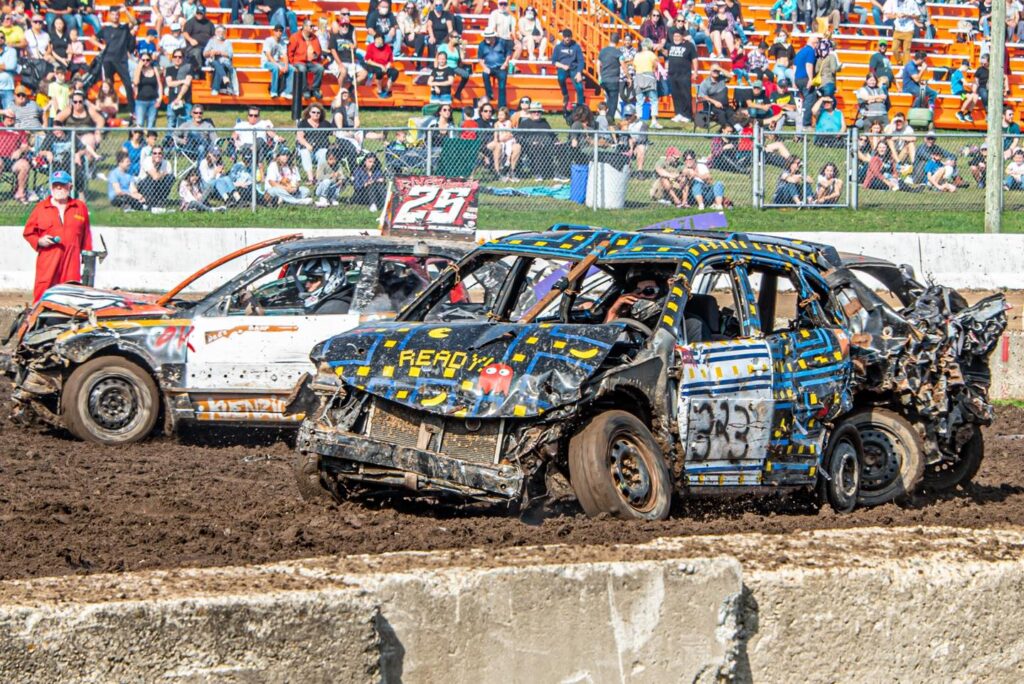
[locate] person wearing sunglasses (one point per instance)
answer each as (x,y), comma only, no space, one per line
(178,80)
(220,55)
(648,285)
(149,91)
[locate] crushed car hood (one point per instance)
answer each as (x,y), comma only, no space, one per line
(103,303)
(481,370)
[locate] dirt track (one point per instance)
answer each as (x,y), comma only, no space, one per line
(68,507)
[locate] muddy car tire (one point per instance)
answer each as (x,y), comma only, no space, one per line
(893,464)
(306,468)
(616,467)
(944,476)
(839,482)
(110,400)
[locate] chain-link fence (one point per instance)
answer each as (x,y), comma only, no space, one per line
(519,169)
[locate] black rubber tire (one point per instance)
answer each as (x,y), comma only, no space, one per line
(893,464)
(945,476)
(128,383)
(593,453)
(306,468)
(839,481)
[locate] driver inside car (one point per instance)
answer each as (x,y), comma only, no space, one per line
(643,298)
(326,286)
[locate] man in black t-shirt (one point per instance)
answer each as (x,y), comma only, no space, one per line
(118,41)
(178,78)
(682,53)
(981,79)
(198,32)
(341,44)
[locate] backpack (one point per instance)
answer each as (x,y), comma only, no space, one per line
(920,115)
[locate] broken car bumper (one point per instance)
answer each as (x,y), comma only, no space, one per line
(420,469)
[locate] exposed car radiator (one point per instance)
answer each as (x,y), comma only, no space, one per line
(474,441)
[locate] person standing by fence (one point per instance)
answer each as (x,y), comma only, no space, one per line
(58,230)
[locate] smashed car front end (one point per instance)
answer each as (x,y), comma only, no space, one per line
(474,410)
(925,354)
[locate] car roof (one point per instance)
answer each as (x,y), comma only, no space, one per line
(670,244)
(360,243)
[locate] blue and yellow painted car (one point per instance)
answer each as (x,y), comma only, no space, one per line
(638,365)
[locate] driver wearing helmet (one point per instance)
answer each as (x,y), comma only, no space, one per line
(642,299)
(325,287)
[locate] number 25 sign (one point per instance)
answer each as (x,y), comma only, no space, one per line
(432,204)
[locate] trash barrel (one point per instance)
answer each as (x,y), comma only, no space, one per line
(606,186)
(578,183)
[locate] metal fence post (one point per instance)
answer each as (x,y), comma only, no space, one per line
(755,176)
(253,171)
(430,153)
(803,181)
(853,168)
(598,187)
(74,179)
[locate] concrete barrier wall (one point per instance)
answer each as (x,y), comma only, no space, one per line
(158,258)
(897,604)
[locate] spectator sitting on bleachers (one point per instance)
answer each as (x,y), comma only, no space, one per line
(341,44)
(440,23)
(532,37)
(503,23)
(781,47)
(14,31)
(1014,175)
(413,28)
(380,21)
(826,14)
(274,58)
(189,8)
(783,106)
(759,107)
(164,12)
(757,61)
(733,7)
(878,14)
(695,24)
(828,124)
(369,185)
(714,93)
(461,69)
(720,28)
(121,189)
(278,14)
(284,183)
(958,87)
(914,82)
(655,29)
(304,53)
(872,102)
(440,80)
(567,57)
(58,93)
(881,67)
(220,55)
(380,63)
(198,32)
(27,112)
(850,7)
(980,85)
(494,58)
(169,42)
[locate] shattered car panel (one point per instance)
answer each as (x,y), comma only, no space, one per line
(236,354)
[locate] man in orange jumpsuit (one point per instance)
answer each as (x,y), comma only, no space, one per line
(58,229)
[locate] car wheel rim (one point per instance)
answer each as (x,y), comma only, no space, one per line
(113,403)
(845,470)
(630,472)
(881,459)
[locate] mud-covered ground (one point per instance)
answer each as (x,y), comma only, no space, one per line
(68,507)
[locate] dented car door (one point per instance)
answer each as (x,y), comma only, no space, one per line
(725,407)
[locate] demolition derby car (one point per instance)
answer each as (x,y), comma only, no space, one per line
(643,364)
(108,364)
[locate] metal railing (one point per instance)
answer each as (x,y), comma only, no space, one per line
(621,169)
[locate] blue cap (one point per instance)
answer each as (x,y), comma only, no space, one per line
(60,177)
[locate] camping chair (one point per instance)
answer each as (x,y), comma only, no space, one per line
(458,157)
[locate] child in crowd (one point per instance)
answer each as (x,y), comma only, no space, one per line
(739,64)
